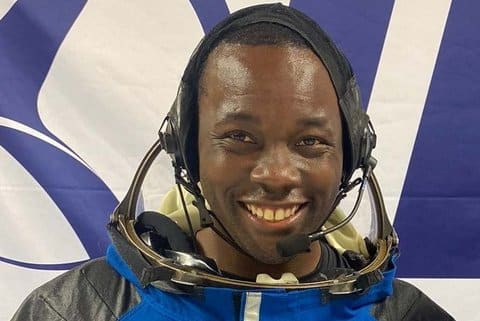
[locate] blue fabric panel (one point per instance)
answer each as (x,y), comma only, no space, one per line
(309,305)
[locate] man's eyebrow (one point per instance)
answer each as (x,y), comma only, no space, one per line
(238,116)
(316,121)
(319,121)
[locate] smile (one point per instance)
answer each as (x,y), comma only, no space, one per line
(271,214)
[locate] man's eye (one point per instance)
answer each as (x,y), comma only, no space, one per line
(309,141)
(241,137)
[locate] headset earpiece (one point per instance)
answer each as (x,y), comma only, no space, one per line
(169,141)
(367,144)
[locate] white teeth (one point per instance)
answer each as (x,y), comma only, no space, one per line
(268,215)
(288,212)
(259,212)
(272,215)
(279,214)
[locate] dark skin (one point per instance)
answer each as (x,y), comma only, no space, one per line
(270,150)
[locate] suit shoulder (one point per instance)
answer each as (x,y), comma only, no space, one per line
(93,291)
(408,303)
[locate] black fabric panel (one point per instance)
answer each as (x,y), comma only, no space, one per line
(408,304)
(36,308)
(93,291)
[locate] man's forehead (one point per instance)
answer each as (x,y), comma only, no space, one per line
(233,66)
(245,83)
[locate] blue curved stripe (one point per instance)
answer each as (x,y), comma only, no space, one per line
(210,12)
(30,35)
(81,196)
(36,266)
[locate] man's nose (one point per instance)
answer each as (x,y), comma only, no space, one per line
(277,170)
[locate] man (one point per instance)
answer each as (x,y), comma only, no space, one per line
(265,133)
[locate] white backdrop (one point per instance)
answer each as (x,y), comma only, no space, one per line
(85,85)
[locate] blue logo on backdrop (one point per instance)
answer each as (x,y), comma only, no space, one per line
(437,217)
(30,35)
(437,207)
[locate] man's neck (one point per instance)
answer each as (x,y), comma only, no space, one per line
(232,261)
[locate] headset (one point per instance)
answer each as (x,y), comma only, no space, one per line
(177,137)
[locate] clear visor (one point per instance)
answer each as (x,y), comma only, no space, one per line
(159,194)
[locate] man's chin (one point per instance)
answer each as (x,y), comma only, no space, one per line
(264,251)
(275,260)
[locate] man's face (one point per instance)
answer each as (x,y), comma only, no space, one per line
(270,143)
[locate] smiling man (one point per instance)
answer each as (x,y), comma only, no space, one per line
(269,121)
(265,134)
